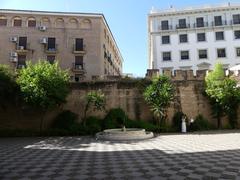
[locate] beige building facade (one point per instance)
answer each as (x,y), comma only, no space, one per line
(80,42)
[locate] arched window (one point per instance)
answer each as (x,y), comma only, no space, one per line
(86,24)
(59,23)
(3,21)
(73,23)
(31,22)
(17,22)
(45,21)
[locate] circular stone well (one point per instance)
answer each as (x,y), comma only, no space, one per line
(124,135)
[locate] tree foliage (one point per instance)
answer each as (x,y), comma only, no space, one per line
(8,87)
(43,84)
(159,96)
(224,95)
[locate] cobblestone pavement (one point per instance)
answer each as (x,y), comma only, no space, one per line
(190,156)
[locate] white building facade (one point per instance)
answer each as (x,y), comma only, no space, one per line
(194,38)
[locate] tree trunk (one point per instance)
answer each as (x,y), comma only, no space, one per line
(219,124)
(85,114)
(42,120)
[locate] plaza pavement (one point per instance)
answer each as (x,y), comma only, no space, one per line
(189,156)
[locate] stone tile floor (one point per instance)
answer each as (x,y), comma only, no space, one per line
(190,156)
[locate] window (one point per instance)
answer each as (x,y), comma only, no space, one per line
(202,54)
(166,56)
(200,22)
(182,23)
(201,37)
(22,42)
(219,36)
(51,59)
(17,22)
(238,51)
(221,53)
(237,34)
(164,25)
(78,62)
(79,44)
(21,61)
(31,22)
(184,55)
(218,20)
(3,21)
(79,77)
(183,38)
(236,19)
(51,44)
(165,39)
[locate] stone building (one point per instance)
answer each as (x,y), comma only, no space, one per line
(80,42)
(194,38)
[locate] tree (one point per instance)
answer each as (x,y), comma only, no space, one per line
(212,82)
(43,85)
(224,95)
(159,96)
(8,86)
(95,99)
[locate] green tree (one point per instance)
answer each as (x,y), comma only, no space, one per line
(8,86)
(159,96)
(43,85)
(212,82)
(224,95)
(96,99)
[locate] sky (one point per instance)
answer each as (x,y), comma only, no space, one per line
(127,20)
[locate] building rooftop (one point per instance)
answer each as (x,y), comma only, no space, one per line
(196,9)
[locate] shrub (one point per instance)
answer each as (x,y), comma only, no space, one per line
(93,125)
(114,119)
(177,121)
(200,124)
(96,100)
(65,120)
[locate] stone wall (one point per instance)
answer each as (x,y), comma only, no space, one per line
(126,94)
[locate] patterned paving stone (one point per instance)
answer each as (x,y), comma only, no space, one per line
(189,156)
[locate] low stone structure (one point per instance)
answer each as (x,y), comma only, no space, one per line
(126,94)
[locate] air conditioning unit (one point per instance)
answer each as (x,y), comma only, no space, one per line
(42,28)
(13,39)
(13,59)
(20,47)
(43,41)
(13,54)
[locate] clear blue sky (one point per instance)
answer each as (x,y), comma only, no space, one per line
(126,18)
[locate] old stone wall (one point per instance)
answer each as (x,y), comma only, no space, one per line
(125,94)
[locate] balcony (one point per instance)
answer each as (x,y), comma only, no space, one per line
(81,50)
(49,50)
(78,67)
(235,23)
(200,25)
(182,26)
(165,28)
(220,23)
(22,49)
